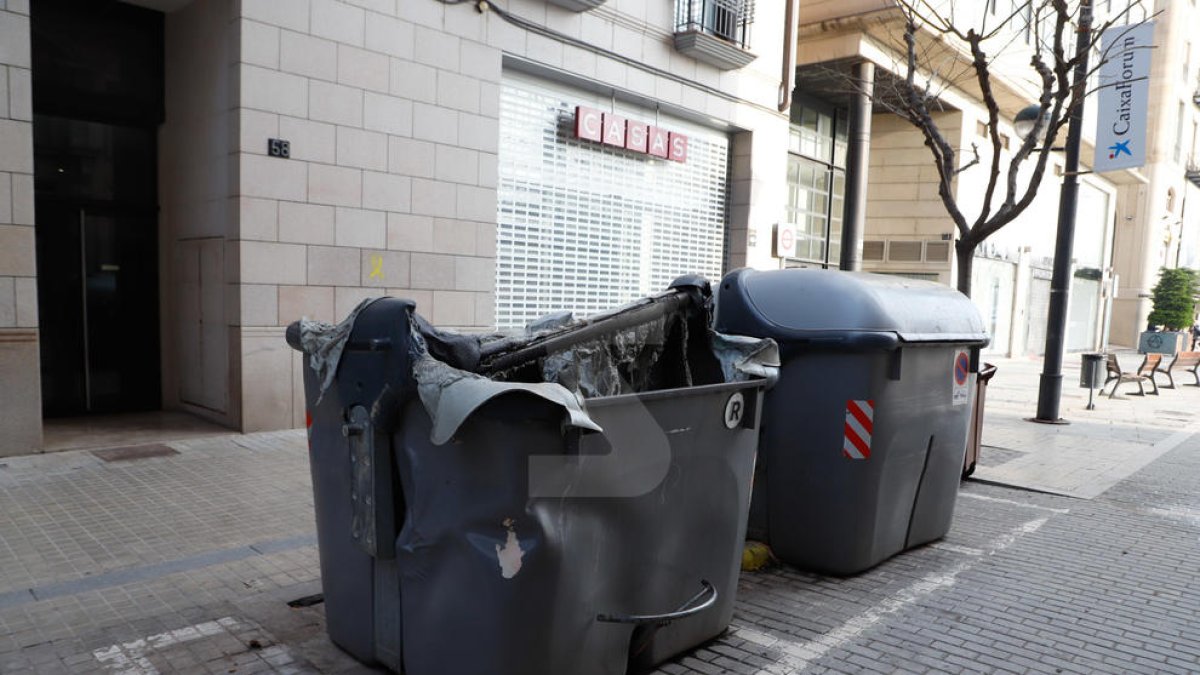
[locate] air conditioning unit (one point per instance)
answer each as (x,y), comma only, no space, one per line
(873,250)
(905,251)
(908,251)
(578,5)
(937,251)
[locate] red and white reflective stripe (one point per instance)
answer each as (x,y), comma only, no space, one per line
(860,422)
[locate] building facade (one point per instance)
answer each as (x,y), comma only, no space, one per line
(1158,224)
(1129,223)
(180,179)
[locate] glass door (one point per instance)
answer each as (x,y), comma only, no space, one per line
(98,294)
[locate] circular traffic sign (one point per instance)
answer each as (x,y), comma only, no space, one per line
(961,368)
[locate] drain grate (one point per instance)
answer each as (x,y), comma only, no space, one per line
(130,452)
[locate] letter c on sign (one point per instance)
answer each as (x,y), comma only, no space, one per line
(587,124)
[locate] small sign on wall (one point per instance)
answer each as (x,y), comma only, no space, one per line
(785,240)
(617,131)
(277,147)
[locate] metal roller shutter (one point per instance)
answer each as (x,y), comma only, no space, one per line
(586,227)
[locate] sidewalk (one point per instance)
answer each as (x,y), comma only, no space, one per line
(185,559)
(1098,448)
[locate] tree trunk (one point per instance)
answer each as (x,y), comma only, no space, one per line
(964,253)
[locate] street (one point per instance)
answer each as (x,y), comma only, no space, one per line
(186,562)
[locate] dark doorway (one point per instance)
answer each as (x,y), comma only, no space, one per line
(97,103)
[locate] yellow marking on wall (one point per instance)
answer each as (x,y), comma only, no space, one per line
(376,267)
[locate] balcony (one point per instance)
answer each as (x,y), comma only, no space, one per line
(716,32)
(578,5)
(1192,173)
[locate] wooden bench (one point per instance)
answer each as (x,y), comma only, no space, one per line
(1144,373)
(1187,361)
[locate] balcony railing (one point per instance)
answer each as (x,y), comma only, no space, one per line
(725,19)
(715,31)
(1192,173)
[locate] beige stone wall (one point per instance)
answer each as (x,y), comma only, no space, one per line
(815,11)
(902,196)
(390,188)
(199,213)
(392,112)
(20,380)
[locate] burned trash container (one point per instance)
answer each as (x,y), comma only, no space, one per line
(572,501)
(862,439)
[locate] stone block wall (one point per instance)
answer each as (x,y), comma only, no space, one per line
(20,393)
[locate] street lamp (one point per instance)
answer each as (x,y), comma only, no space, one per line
(1050,384)
(1025,120)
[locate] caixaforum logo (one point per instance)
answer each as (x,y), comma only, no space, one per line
(1119,147)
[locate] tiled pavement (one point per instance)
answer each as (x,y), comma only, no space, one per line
(1024,583)
(1097,449)
(185,564)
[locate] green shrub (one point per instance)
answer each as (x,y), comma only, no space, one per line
(1174,298)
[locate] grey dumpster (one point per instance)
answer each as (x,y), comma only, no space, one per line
(523,541)
(863,439)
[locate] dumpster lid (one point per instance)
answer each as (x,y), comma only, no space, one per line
(832,302)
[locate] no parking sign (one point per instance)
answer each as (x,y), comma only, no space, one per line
(962,371)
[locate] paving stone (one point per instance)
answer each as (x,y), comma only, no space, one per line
(95,555)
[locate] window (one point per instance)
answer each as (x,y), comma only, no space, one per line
(817,182)
(1195,134)
(1179,132)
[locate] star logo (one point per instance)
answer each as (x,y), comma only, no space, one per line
(1118,148)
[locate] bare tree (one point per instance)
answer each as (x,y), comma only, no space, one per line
(940,52)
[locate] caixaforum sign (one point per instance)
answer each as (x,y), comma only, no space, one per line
(615,130)
(1124,96)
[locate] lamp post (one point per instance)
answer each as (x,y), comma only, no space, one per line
(1050,384)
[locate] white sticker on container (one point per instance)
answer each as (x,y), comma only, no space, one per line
(735,408)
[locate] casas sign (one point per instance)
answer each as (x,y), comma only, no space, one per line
(611,129)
